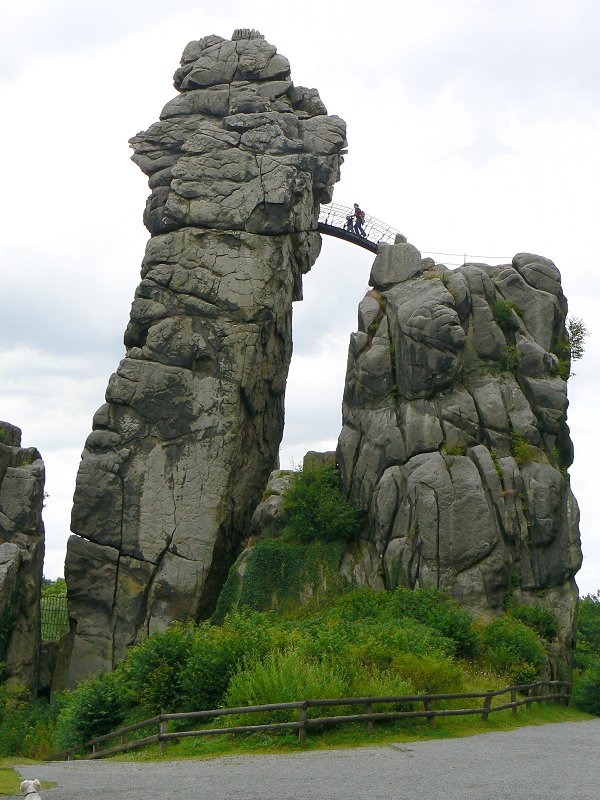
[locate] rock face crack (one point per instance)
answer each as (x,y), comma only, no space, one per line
(179,455)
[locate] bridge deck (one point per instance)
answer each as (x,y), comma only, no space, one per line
(342,233)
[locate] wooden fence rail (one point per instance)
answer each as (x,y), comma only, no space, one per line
(538,692)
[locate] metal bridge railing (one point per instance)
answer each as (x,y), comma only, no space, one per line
(376,230)
(333,221)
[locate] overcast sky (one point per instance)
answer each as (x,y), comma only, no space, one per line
(473,127)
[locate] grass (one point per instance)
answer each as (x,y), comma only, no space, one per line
(355,735)
(10,780)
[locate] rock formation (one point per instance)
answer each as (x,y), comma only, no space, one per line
(21,556)
(179,454)
(454,434)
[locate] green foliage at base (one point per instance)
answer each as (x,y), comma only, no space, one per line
(587,653)
(362,643)
(26,725)
(279,574)
(586,690)
(541,619)
(96,707)
(512,648)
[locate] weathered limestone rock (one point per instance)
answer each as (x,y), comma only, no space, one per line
(455,440)
(21,556)
(180,453)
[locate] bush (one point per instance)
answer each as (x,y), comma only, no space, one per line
(503,312)
(282,677)
(152,670)
(54,588)
(540,619)
(522,452)
(586,690)
(513,649)
(435,609)
(578,333)
(26,726)
(316,507)
(588,631)
(97,706)
(218,651)
(429,674)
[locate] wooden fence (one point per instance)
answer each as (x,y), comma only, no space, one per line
(540,691)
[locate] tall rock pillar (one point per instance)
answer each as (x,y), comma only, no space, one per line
(179,454)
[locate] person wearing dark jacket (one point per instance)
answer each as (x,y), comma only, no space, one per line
(360,218)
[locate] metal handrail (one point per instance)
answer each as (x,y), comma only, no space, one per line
(332,221)
(334,215)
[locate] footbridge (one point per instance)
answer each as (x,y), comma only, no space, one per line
(333,221)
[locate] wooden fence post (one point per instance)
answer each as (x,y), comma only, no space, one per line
(369,723)
(568,690)
(486,705)
(302,728)
(530,696)
(513,699)
(429,707)
(164,727)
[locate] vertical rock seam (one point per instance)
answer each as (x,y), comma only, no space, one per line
(455,438)
(180,453)
(21,556)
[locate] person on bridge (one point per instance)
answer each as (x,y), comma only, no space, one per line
(360,218)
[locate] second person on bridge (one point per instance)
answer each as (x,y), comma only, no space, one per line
(360,218)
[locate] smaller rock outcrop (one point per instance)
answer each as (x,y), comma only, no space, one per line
(454,439)
(21,556)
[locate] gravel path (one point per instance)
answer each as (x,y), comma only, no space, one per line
(557,761)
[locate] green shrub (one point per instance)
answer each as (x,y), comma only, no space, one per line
(152,670)
(522,452)
(541,619)
(429,674)
(513,649)
(587,652)
(54,588)
(505,314)
(218,651)
(435,609)
(317,508)
(283,677)
(578,333)
(97,706)
(26,726)
(586,690)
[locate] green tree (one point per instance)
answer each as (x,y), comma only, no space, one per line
(578,333)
